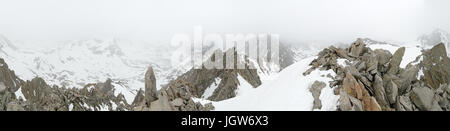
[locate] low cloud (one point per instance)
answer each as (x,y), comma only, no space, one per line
(321,21)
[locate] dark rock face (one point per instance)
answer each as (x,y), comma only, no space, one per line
(383,57)
(436,66)
(286,56)
(8,80)
(327,59)
(38,96)
(380,92)
(396,60)
(201,79)
(177,96)
(150,86)
(227,88)
(139,99)
(374,80)
(443,97)
(9,84)
(391,92)
(357,48)
(423,98)
(41,97)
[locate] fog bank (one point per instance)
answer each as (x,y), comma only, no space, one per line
(296,21)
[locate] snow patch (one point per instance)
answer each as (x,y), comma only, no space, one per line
(328,99)
(342,62)
(70,107)
(420,74)
(19,94)
(113,105)
(411,54)
(390,48)
(210,90)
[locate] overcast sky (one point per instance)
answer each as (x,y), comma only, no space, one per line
(294,20)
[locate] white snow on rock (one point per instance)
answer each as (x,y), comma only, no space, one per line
(19,94)
(411,51)
(210,90)
(420,74)
(411,54)
(389,47)
(341,62)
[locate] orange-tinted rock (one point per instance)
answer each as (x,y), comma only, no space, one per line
(352,86)
(370,104)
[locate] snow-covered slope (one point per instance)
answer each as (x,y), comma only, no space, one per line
(289,90)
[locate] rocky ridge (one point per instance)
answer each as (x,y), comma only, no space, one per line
(201,79)
(372,80)
(37,95)
(176,96)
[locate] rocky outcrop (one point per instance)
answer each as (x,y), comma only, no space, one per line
(286,56)
(316,89)
(201,79)
(356,92)
(391,92)
(372,80)
(357,48)
(9,84)
(39,96)
(180,96)
(8,80)
(348,103)
(139,99)
(93,97)
(443,97)
(380,92)
(396,60)
(352,87)
(150,86)
(436,66)
(423,98)
(177,96)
